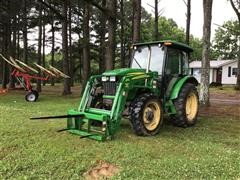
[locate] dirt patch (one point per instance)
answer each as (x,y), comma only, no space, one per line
(223,105)
(101,170)
(221,111)
(224,95)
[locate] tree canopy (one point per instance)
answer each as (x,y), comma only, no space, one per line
(80,37)
(226,40)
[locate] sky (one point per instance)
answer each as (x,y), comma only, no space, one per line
(176,9)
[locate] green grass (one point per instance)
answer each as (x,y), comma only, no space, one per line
(33,149)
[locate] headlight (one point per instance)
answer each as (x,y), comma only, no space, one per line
(104,78)
(113,78)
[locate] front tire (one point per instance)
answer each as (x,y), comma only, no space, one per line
(186,105)
(146,115)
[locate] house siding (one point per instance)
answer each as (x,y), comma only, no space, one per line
(197,75)
(229,80)
(215,66)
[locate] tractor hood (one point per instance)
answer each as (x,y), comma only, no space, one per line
(123,72)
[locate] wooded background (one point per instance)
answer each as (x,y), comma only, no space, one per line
(84,37)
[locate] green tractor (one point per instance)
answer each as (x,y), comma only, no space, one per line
(156,83)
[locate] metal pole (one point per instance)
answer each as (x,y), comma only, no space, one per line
(149,62)
(149,59)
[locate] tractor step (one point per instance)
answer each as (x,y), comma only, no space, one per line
(91,124)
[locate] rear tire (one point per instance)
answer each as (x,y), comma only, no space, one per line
(186,105)
(146,115)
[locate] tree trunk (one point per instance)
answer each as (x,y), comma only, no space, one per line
(122,34)
(39,61)
(236,8)
(24,31)
(71,63)
(80,48)
(67,81)
(18,38)
(86,48)
(6,48)
(238,73)
(6,44)
(110,51)
(102,34)
(156,21)
(13,50)
(136,20)
(80,64)
(53,47)
(43,46)
(188,21)
(204,86)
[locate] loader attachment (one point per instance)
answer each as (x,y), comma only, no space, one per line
(79,123)
(84,126)
(89,120)
(54,117)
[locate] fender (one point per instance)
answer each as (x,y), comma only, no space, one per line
(178,86)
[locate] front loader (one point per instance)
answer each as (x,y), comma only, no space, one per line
(156,83)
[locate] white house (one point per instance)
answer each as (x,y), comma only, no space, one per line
(221,71)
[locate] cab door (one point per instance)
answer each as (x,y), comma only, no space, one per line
(176,66)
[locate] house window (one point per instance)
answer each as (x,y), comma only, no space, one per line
(234,71)
(229,71)
(196,72)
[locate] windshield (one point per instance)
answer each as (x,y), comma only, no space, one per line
(140,58)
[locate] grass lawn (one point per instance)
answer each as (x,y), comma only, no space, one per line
(33,149)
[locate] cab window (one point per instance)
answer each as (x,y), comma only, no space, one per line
(176,62)
(173,62)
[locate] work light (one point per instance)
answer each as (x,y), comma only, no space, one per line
(113,78)
(104,78)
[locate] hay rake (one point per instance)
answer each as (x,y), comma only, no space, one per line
(25,73)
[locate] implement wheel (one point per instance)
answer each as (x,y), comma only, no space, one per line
(187,106)
(31,96)
(146,115)
(36,93)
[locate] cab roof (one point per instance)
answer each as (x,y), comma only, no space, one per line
(170,43)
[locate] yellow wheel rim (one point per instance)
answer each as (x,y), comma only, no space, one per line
(191,106)
(151,115)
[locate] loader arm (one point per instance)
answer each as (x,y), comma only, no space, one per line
(110,118)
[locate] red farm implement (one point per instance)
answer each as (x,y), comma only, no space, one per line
(25,73)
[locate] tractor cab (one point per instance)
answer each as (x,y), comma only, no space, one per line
(165,57)
(169,59)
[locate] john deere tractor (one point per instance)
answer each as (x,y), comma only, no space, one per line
(156,83)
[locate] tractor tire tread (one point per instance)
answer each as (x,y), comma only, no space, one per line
(136,108)
(180,119)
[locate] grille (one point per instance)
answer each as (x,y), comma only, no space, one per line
(109,88)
